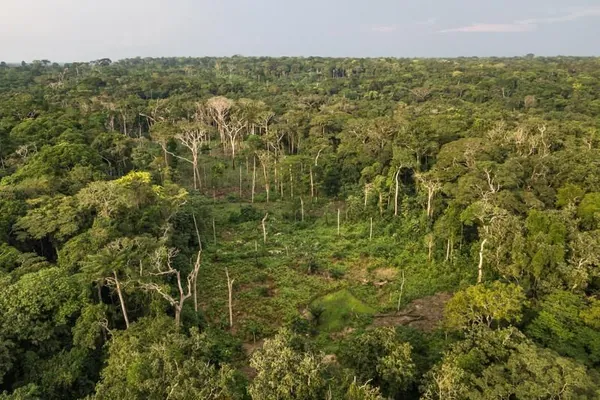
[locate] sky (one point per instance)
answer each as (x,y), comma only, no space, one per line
(84,30)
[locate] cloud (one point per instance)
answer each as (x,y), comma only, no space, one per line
(430,21)
(384,28)
(527,25)
(497,28)
(573,15)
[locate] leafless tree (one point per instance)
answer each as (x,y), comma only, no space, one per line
(421,93)
(197,264)
(162,266)
(230,296)
(397,180)
(265,160)
(219,108)
(264,227)
(433,186)
(480,266)
(233,132)
(401,292)
(193,136)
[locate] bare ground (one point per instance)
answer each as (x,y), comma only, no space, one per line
(249,348)
(425,314)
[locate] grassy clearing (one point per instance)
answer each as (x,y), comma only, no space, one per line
(308,263)
(341,308)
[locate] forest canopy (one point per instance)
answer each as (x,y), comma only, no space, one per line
(300,228)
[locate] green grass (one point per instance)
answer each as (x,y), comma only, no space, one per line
(341,308)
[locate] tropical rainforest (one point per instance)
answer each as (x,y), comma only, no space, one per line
(300,228)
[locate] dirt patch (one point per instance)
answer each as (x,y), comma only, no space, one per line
(425,314)
(248,371)
(341,335)
(357,273)
(385,274)
(329,359)
(250,347)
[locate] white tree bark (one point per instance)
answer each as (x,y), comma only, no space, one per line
(121,299)
(264,227)
(397,191)
(230,296)
(480,267)
(401,292)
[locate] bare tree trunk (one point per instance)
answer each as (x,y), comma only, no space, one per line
(195,177)
(366,194)
(396,195)
(302,208)
(429,198)
(230,295)
(264,227)
(190,291)
(164,147)
(253,178)
(276,180)
(338,222)
(448,249)
(197,172)
(319,152)
(124,124)
(266,176)
(197,265)
(182,297)
(401,292)
(233,153)
(291,184)
(480,267)
(312,185)
(281,183)
(121,300)
(177,315)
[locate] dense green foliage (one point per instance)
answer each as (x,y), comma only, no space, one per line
(260,228)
